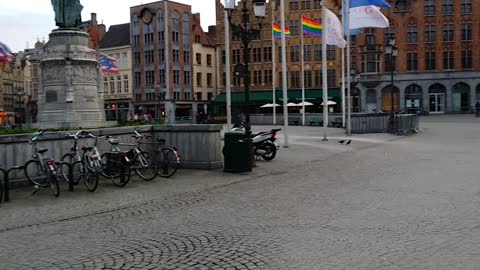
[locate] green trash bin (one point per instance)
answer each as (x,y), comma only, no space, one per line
(237,152)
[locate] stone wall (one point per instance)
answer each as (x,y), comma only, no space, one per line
(199,145)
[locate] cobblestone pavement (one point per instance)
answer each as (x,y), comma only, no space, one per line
(380,203)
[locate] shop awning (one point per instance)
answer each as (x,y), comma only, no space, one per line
(294,95)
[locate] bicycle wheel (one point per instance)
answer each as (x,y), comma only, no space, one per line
(167,162)
(90,179)
(54,186)
(116,169)
(144,166)
(35,173)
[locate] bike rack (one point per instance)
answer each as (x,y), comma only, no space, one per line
(6,181)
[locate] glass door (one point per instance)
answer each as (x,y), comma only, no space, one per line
(437,103)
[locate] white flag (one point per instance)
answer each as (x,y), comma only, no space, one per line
(333,30)
(367,16)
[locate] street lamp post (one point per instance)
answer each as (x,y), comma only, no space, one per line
(392,51)
(246,32)
(354,80)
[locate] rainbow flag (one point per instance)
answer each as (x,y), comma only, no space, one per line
(277,32)
(311,27)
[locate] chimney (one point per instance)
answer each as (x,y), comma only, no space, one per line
(212,29)
(197,15)
(94,18)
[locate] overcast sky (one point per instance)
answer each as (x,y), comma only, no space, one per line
(22,21)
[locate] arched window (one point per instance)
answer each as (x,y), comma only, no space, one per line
(186,30)
(413,98)
(461,97)
(175,27)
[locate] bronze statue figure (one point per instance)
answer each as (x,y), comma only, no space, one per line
(67,13)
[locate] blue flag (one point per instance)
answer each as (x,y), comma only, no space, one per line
(353,32)
(361,3)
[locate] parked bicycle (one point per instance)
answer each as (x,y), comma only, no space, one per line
(166,159)
(115,164)
(42,171)
(86,164)
(141,160)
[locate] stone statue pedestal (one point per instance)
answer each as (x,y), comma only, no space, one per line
(71,86)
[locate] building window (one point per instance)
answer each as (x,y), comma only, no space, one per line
(412,34)
(257,55)
(308,78)
(236,56)
(293,4)
(295,79)
(176,78)
(176,56)
(448,60)
(294,53)
(161,56)
(148,39)
(307,52)
(175,38)
(467,59)
(429,8)
(186,57)
(430,33)
(149,96)
(209,60)
(209,80)
(136,40)
(332,77)
(430,61)
(267,54)
(176,95)
(126,89)
(138,97)
(137,58)
(402,6)
(198,39)
(466,7)
(370,63)
(353,41)
(198,58)
(412,62)
(105,84)
(125,59)
(149,78)
(161,77)
(224,79)
(447,7)
(389,33)
(236,80)
(119,84)
(148,57)
(161,36)
(112,85)
(199,79)
(448,32)
(317,4)
(331,52)
(305,4)
(187,78)
(138,79)
(318,52)
(188,96)
(466,31)
(257,77)
(294,27)
(268,77)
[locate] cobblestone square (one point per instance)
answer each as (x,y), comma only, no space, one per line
(383,202)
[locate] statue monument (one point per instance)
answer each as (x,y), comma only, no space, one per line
(71,84)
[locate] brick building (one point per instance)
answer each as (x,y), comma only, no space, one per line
(161,34)
(261,67)
(437,67)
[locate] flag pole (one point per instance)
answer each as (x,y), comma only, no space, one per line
(274,68)
(303,80)
(349,100)
(324,72)
(227,71)
(284,73)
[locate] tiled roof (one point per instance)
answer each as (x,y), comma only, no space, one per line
(117,35)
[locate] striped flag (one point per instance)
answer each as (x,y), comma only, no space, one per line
(108,64)
(277,31)
(311,27)
(5,53)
